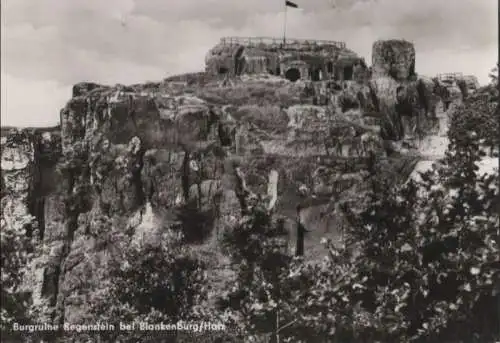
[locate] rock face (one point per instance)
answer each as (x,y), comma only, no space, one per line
(293,59)
(28,175)
(394,58)
(126,159)
(410,104)
(18,164)
(29,192)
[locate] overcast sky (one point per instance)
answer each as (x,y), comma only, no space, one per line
(49,45)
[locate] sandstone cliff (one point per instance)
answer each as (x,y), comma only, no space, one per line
(126,159)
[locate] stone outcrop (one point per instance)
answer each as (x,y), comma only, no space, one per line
(292,59)
(394,58)
(30,194)
(28,175)
(409,102)
(18,175)
(126,160)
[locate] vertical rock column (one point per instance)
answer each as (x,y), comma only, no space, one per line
(17,173)
(20,175)
(393,68)
(393,58)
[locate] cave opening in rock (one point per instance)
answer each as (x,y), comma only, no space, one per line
(329,67)
(292,74)
(348,73)
(316,75)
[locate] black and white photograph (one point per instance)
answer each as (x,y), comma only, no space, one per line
(250,171)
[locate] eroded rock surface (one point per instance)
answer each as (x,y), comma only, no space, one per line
(126,159)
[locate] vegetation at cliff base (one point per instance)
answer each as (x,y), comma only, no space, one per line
(16,249)
(152,282)
(426,266)
(418,260)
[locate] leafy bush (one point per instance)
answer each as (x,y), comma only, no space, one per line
(257,248)
(16,248)
(480,114)
(427,266)
(151,283)
(421,262)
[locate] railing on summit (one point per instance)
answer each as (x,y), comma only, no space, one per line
(289,42)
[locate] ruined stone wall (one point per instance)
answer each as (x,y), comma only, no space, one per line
(323,61)
(255,64)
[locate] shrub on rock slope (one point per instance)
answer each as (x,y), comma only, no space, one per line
(425,269)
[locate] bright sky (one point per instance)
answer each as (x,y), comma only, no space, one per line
(49,45)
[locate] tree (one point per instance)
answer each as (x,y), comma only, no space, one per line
(480,114)
(427,266)
(256,247)
(151,283)
(16,248)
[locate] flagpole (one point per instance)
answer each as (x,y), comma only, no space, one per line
(284,26)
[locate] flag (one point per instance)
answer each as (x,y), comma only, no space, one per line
(291,4)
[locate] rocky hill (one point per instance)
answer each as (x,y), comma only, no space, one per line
(129,157)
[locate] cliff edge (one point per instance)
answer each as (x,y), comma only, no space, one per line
(126,159)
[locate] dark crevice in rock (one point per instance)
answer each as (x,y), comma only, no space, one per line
(131,113)
(300,235)
(50,284)
(137,179)
(374,99)
(40,216)
(238,61)
(200,195)
(213,119)
(412,73)
(424,100)
(36,200)
(225,135)
(34,186)
(138,167)
(60,269)
(77,192)
(150,191)
(464,90)
(185,176)
(55,285)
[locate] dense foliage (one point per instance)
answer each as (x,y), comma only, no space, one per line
(16,249)
(426,266)
(429,254)
(151,283)
(479,113)
(421,262)
(257,247)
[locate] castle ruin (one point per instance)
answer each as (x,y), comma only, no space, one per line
(293,59)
